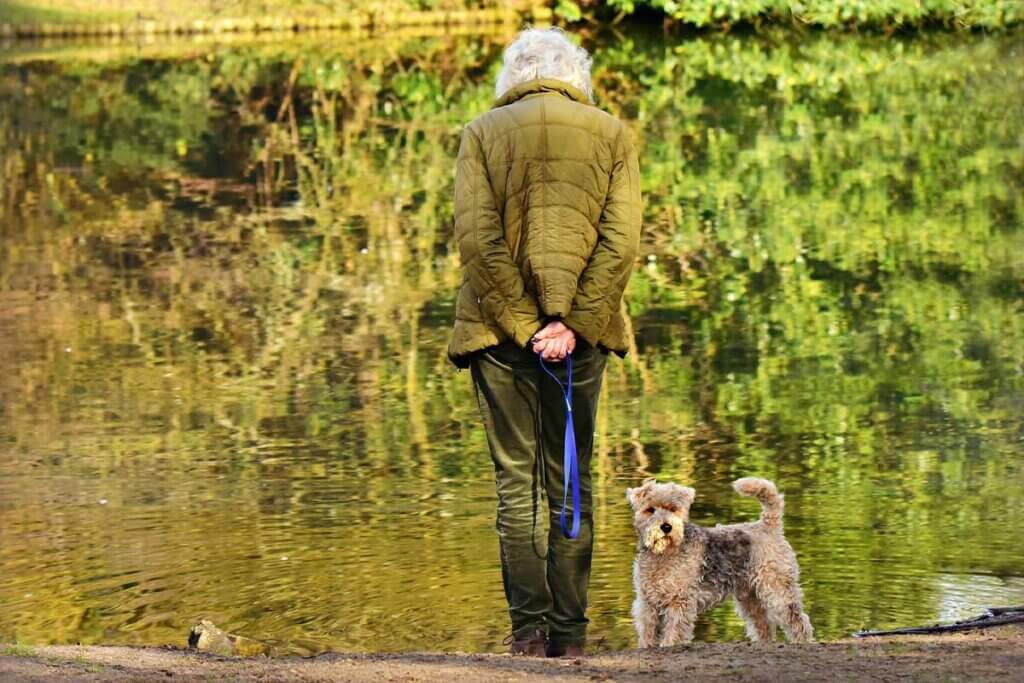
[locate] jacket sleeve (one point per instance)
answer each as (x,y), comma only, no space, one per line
(485,254)
(600,287)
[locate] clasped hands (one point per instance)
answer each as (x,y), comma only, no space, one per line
(554,341)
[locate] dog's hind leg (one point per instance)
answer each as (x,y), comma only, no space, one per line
(750,609)
(797,625)
(777,582)
(645,619)
(790,615)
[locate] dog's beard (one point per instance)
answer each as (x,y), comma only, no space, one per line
(655,540)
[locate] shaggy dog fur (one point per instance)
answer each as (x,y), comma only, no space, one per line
(682,570)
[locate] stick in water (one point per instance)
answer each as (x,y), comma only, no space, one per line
(994,616)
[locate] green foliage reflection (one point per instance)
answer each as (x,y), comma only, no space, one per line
(226,282)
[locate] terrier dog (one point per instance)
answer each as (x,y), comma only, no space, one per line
(682,569)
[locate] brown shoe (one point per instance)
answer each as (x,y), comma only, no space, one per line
(572,651)
(534,645)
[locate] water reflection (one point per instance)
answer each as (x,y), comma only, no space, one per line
(226,281)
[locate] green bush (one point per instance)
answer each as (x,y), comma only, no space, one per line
(825,13)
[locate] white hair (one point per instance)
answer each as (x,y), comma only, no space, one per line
(544,53)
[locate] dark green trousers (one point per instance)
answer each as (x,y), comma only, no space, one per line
(545,574)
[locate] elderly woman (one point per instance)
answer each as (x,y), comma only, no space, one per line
(547,218)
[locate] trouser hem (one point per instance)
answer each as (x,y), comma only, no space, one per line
(524,632)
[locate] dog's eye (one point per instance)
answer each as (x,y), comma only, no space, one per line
(673,509)
(649,511)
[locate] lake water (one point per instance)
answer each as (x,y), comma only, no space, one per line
(227,278)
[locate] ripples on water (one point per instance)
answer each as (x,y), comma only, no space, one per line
(225,392)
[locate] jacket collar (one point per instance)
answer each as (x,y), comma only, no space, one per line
(541,85)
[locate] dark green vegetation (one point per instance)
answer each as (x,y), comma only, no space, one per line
(886,14)
(226,283)
(724,14)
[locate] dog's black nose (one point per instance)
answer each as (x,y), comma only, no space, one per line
(666,527)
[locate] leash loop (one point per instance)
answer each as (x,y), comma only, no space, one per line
(570,461)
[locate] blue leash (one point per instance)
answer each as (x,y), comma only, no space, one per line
(570,462)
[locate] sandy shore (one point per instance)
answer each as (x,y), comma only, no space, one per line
(994,655)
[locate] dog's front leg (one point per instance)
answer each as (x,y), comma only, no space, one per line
(645,618)
(677,624)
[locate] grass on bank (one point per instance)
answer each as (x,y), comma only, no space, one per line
(39,13)
(122,11)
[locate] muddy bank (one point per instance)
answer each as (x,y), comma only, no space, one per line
(996,655)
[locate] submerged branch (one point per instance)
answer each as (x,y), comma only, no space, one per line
(994,611)
(994,616)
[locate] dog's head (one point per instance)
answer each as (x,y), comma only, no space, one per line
(660,513)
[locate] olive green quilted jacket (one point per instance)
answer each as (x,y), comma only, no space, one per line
(547,219)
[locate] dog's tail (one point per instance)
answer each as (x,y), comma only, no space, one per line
(767,495)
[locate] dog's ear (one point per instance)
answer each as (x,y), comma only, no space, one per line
(683,497)
(636,496)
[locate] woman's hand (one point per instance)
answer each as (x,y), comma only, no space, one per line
(554,342)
